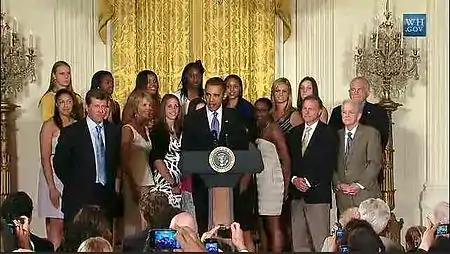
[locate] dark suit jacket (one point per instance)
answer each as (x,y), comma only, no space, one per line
(197,134)
(372,115)
(41,245)
(74,164)
(317,164)
(362,166)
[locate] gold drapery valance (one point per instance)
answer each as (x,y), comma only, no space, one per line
(106,13)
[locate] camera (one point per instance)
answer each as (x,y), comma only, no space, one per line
(162,239)
(224,232)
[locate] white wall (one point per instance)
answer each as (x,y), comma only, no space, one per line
(65,30)
(325,34)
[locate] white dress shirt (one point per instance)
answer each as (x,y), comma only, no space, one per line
(311,132)
(210,116)
(353,132)
(93,132)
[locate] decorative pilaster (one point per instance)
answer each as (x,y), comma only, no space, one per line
(316,43)
(74,39)
(437,172)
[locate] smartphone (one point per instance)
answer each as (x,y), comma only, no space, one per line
(163,239)
(442,229)
(343,249)
(224,232)
(211,245)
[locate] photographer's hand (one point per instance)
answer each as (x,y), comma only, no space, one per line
(237,236)
(189,240)
(22,232)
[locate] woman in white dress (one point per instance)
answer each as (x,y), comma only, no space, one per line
(135,150)
(50,187)
(273,181)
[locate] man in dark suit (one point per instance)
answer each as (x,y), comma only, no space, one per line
(87,158)
(372,114)
(15,206)
(359,160)
(313,151)
(213,125)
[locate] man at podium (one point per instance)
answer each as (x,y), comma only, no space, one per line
(207,128)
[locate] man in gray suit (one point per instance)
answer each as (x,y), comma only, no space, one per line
(359,160)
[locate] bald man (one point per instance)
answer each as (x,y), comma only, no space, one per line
(372,114)
(184,219)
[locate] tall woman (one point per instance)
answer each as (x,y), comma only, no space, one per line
(191,84)
(283,112)
(273,181)
(50,187)
(104,80)
(60,77)
(307,87)
(135,150)
(166,153)
(146,81)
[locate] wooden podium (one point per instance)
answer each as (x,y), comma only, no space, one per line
(221,170)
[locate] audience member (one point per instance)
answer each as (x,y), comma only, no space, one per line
(184,219)
(95,244)
(14,207)
(413,237)
(360,237)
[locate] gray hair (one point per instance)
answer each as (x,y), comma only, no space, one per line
(441,213)
(348,215)
(376,212)
(356,105)
(363,79)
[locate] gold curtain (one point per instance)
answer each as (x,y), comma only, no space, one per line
(229,36)
(149,34)
(239,37)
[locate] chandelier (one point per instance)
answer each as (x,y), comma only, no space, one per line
(389,60)
(18,66)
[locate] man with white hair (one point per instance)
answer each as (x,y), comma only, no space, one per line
(377,213)
(184,219)
(359,160)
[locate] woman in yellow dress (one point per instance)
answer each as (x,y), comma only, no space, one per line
(60,77)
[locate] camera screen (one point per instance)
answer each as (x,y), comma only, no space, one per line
(164,239)
(339,234)
(442,229)
(212,247)
(343,249)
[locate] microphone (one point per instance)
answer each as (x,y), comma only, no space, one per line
(215,138)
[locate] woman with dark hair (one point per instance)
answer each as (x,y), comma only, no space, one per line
(273,181)
(359,236)
(196,104)
(234,92)
(191,84)
(60,78)
(104,80)
(50,187)
(146,81)
(166,152)
(245,199)
(308,86)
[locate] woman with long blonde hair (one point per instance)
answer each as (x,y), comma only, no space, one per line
(60,77)
(283,112)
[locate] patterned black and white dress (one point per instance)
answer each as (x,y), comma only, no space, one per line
(167,148)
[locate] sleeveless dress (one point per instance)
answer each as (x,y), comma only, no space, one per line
(45,206)
(270,181)
(142,175)
(171,160)
(285,123)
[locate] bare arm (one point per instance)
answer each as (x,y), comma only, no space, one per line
(283,152)
(125,146)
(324,115)
(45,141)
(296,119)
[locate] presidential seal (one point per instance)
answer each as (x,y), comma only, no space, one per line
(222,159)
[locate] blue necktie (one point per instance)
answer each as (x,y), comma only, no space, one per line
(100,154)
(215,124)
